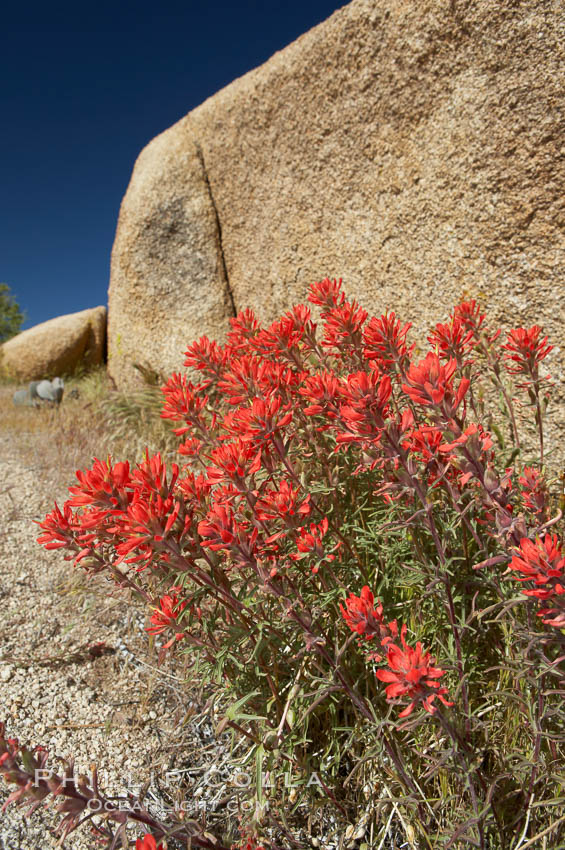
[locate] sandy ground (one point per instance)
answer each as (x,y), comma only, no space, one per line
(117,709)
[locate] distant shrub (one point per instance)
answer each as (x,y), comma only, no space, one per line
(11,317)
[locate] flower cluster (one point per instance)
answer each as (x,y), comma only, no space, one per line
(305,444)
(275,411)
(363,617)
(542,562)
(524,350)
(410,671)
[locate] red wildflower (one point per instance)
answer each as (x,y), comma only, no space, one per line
(285,334)
(534,491)
(166,616)
(469,314)
(184,402)
(310,539)
(425,441)
(430,383)
(259,423)
(366,391)
(234,462)
(190,447)
(525,350)
(223,531)
(57,528)
(363,617)
(343,325)
(104,485)
(150,476)
(195,488)
(208,357)
(326,294)
(365,407)
(385,342)
(148,843)
(282,503)
(452,340)
(250,377)
(219,528)
(543,563)
(144,527)
(244,328)
(474,438)
(324,390)
(412,674)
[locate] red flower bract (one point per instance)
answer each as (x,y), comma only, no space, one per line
(543,563)
(361,615)
(327,294)
(244,328)
(385,342)
(452,339)
(431,384)
(184,402)
(342,327)
(469,314)
(411,673)
(208,357)
(282,503)
(364,408)
(259,423)
(166,616)
(366,619)
(104,485)
(324,390)
(233,462)
(534,492)
(524,350)
(57,528)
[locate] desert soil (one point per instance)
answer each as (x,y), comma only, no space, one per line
(115,708)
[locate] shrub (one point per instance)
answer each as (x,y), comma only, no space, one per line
(345,514)
(11,317)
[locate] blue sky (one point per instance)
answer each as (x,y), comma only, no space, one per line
(83,88)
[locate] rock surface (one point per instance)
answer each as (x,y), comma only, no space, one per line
(57,346)
(168,277)
(416,150)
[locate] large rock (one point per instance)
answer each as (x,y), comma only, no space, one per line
(58,346)
(168,277)
(414,149)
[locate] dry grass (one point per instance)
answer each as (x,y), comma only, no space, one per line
(93,421)
(56,441)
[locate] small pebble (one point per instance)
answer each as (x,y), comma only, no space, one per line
(6,673)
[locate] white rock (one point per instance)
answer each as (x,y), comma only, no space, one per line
(6,673)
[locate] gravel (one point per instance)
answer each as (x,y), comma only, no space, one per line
(111,706)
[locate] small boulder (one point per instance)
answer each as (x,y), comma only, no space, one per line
(23,398)
(40,392)
(57,346)
(50,390)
